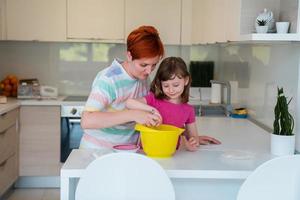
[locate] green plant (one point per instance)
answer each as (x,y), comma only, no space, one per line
(261,22)
(284,121)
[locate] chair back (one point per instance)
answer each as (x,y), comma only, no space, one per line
(124,176)
(276,179)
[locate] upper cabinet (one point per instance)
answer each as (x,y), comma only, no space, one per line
(203,21)
(165,15)
(41,20)
(179,22)
(2,19)
(96,20)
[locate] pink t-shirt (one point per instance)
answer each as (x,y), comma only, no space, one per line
(173,114)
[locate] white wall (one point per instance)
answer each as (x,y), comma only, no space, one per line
(69,66)
(267,66)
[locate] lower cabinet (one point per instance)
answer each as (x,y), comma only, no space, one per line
(9,153)
(40,141)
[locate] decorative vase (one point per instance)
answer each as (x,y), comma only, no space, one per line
(262,29)
(282,144)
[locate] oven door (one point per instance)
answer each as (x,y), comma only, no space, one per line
(71,133)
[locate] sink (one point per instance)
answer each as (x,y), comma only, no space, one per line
(211,110)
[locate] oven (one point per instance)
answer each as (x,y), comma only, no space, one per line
(71,131)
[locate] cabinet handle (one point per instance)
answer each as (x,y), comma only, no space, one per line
(3,132)
(3,114)
(3,163)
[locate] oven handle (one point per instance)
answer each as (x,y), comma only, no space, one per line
(74,120)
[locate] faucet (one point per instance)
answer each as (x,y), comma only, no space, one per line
(227,107)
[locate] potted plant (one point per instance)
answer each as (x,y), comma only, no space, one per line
(282,138)
(261,26)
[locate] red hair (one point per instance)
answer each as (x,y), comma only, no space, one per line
(144,42)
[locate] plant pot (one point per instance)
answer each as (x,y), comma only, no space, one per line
(282,27)
(262,29)
(282,144)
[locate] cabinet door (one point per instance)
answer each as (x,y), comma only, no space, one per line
(40,141)
(233,16)
(42,20)
(208,21)
(2,20)
(95,19)
(165,15)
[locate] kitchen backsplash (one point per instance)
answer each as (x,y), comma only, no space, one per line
(71,67)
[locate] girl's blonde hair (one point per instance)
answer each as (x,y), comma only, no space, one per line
(168,69)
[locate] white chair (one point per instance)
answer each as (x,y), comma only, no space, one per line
(276,179)
(124,176)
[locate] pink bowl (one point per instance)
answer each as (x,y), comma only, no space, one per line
(126,148)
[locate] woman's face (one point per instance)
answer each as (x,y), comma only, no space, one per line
(141,68)
(173,88)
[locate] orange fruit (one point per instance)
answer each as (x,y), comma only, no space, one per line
(14,80)
(7,87)
(6,81)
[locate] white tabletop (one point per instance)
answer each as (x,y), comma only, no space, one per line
(244,147)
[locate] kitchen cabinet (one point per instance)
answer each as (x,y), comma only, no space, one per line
(39,141)
(96,20)
(2,19)
(207,19)
(41,20)
(9,144)
(165,15)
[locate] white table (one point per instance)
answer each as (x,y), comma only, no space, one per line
(213,172)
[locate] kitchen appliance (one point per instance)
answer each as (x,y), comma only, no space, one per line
(48,91)
(71,131)
(29,89)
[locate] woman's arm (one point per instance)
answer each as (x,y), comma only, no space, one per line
(98,119)
(139,104)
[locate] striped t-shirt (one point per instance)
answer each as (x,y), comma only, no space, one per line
(111,88)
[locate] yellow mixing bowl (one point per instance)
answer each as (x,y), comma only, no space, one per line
(159,141)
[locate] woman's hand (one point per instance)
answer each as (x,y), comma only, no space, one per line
(147,118)
(191,144)
(208,140)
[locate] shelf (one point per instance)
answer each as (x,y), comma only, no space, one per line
(270,37)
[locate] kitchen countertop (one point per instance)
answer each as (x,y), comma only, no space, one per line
(212,168)
(13,103)
(10,105)
(244,147)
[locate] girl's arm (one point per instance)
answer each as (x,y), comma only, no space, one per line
(192,132)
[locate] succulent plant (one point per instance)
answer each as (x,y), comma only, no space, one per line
(261,22)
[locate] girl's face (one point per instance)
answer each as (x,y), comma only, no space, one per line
(173,88)
(141,68)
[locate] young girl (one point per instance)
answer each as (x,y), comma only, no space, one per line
(168,97)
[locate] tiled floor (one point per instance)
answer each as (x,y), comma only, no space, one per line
(34,194)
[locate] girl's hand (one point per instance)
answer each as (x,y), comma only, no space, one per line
(208,140)
(146,118)
(192,144)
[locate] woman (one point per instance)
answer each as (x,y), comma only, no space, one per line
(105,120)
